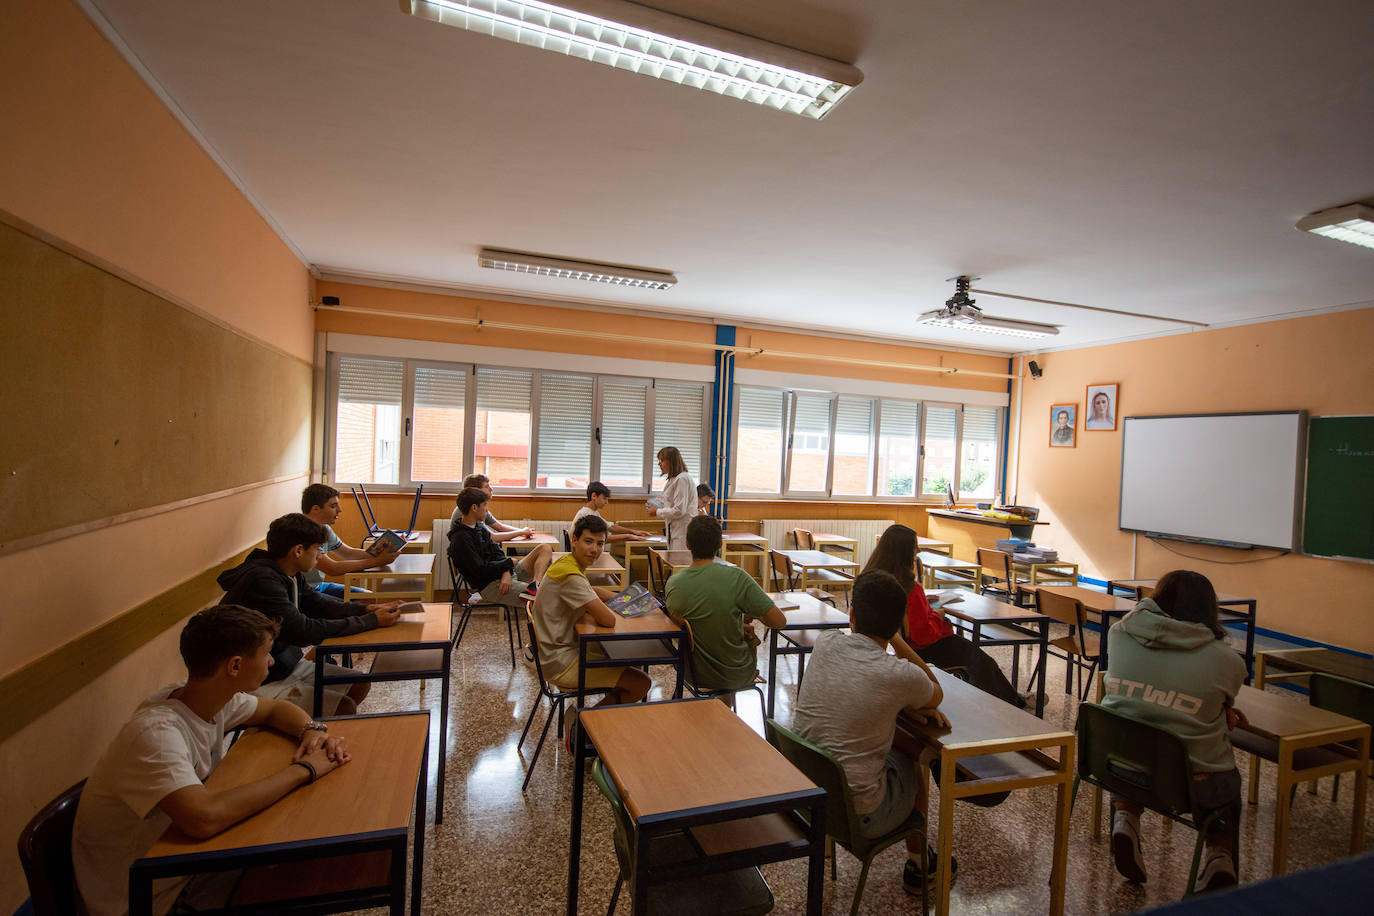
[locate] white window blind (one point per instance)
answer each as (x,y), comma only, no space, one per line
(810,444)
(852,463)
(370,381)
(759,449)
(980,424)
(977,470)
(937,470)
(565,431)
(678,421)
(622,434)
(436,443)
(506,390)
(440,388)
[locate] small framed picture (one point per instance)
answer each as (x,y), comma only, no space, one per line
(1063,425)
(1100,407)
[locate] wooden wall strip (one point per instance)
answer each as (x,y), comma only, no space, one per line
(40,685)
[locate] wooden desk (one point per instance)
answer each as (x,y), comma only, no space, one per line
(1012,746)
(933,545)
(416,566)
(673,560)
(324,819)
(1012,626)
(1047,573)
(743,545)
(1284,665)
(605,566)
(970,530)
(809,613)
(639,550)
(1229,607)
(650,639)
(428,644)
(818,569)
(960,569)
(518,548)
(693,764)
(1295,726)
(838,544)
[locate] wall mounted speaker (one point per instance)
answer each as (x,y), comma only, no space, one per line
(1035,369)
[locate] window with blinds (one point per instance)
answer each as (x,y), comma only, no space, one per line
(898,448)
(937,445)
(852,467)
(978,447)
(440,415)
(622,433)
(367,420)
(501,449)
(564,459)
(810,460)
(678,421)
(759,440)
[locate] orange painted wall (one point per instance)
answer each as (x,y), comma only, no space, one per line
(92,159)
(1321,364)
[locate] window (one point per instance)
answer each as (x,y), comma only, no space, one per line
(852,469)
(898,448)
(938,444)
(809,467)
(978,451)
(404,422)
(758,440)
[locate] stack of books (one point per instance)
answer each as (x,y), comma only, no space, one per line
(1012,545)
(1033,554)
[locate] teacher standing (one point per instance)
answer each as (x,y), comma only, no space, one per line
(679,497)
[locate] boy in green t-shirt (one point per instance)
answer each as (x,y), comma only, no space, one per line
(715,598)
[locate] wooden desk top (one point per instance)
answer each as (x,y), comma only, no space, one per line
(825,537)
(1222,597)
(657,541)
(940,561)
(923,541)
(407,564)
(818,559)
(810,612)
(978,719)
(534,540)
(387,753)
(980,519)
(681,559)
(1327,661)
(981,608)
(1092,601)
(431,626)
(743,537)
(687,754)
(604,564)
(1273,716)
(653,623)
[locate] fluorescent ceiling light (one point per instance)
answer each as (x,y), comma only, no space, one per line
(1353,223)
(1007,327)
(658,44)
(574,270)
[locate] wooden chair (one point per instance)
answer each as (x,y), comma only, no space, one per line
(1145,764)
(658,577)
(841,821)
(785,578)
(554,694)
(803,539)
(1080,649)
(726,694)
(997,574)
(742,892)
(45,852)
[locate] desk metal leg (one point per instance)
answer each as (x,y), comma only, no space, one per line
(772,669)
(318,707)
(421,803)
(815,872)
(575,837)
(443,733)
(639,867)
(1041,667)
(948,766)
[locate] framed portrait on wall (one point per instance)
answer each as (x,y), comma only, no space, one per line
(1063,425)
(1100,407)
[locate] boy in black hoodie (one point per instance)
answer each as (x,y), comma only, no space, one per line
(272,581)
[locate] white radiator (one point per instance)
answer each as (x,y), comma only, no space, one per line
(439,543)
(865,531)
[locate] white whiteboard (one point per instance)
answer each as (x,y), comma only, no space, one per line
(1214,477)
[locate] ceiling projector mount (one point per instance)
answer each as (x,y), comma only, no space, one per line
(961,313)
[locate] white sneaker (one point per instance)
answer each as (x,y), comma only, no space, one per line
(1218,871)
(1126,846)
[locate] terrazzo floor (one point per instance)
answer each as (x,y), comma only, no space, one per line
(501,851)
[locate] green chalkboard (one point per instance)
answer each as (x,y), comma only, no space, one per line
(1339,518)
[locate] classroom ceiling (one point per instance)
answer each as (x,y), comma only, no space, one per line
(1141,157)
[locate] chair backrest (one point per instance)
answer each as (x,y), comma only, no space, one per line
(45,851)
(1342,695)
(534,650)
(622,817)
(783,576)
(1145,591)
(824,770)
(567,539)
(1059,608)
(803,539)
(657,575)
(995,563)
(1135,760)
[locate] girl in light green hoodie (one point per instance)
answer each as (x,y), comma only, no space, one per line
(1169,665)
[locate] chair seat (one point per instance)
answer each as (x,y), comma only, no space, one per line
(1069,644)
(1268,749)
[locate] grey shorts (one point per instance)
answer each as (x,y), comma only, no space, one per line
(492,590)
(899,796)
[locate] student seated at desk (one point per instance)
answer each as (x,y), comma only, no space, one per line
(152,775)
(273,581)
(500,533)
(598,496)
(566,597)
(705,495)
(849,703)
(485,566)
(927,631)
(320,504)
(720,602)
(1172,646)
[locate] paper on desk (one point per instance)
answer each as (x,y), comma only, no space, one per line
(942,599)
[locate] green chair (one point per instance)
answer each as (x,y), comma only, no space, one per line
(1341,695)
(841,821)
(742,892)
(1144,764)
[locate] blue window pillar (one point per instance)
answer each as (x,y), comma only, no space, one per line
(717,471)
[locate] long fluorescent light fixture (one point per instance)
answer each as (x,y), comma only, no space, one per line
(1353,223)
(647,41)
(1007,327)
(575,270)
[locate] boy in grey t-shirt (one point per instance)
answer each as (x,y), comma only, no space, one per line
(849,703)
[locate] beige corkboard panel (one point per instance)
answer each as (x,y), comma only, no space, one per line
(118,400)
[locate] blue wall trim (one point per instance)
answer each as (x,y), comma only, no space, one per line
(717,470)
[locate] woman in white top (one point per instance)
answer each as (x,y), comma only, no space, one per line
(679,497)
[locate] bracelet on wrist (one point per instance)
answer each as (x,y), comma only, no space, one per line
(312,726)
(309,768)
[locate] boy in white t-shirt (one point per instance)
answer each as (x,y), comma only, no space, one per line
(598,496)
(152,775)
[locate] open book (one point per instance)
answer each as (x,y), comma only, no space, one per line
(635,601)
(386,542)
